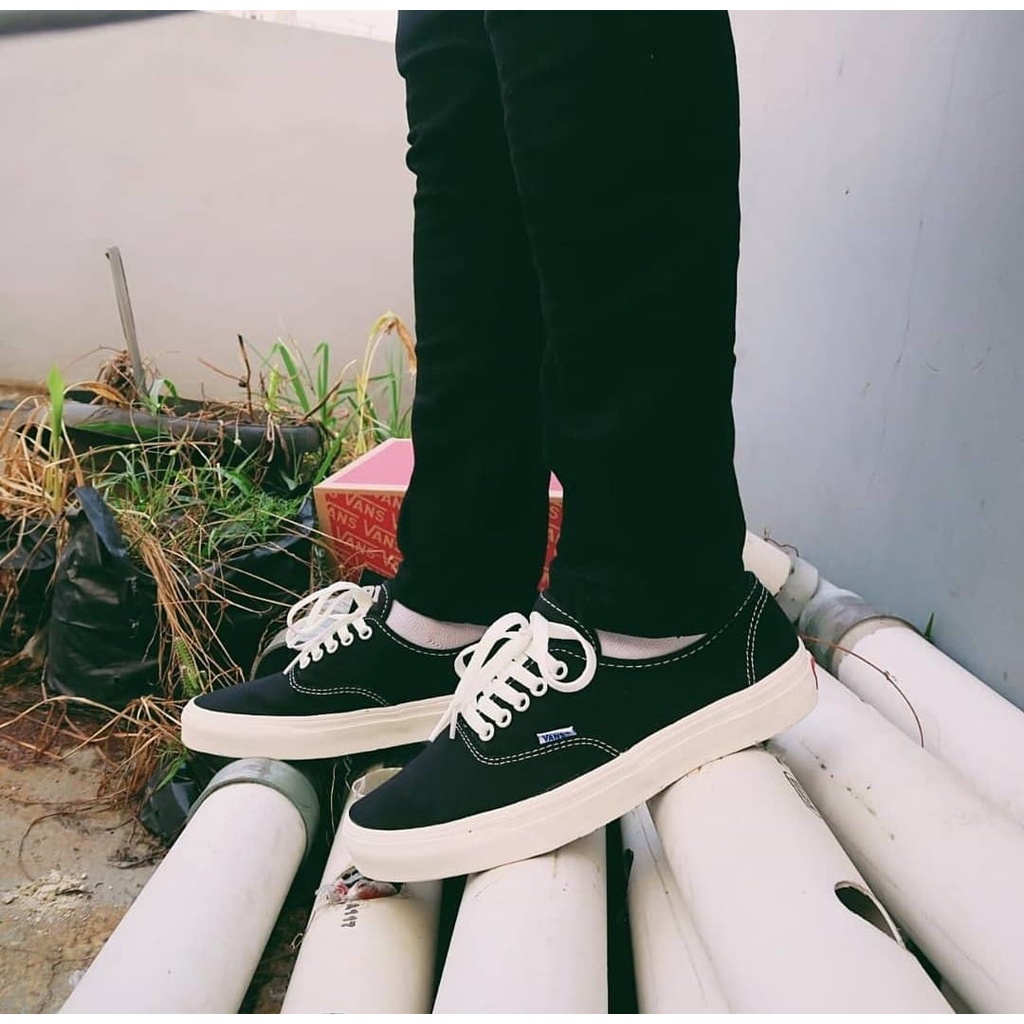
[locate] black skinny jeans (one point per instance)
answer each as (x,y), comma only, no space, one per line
(575,250)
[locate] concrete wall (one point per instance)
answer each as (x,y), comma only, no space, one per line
(368,24)
(879,410)
(253,176)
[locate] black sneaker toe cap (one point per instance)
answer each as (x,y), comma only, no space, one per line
(267,695)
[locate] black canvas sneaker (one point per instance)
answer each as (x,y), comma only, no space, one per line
(353,685)
(546,741)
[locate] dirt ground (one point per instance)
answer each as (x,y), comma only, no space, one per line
(66,878)
(70,871)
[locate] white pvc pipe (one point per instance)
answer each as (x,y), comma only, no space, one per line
(530,937)
(962,720)
(762,876)
(191,941)
(366,955)
(672,968)
(771,565)
(944,861)
(803,581)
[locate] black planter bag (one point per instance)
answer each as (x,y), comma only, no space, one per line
(250,590)
(27,557)
(103,640)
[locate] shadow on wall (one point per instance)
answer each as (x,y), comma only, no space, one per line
(17,22)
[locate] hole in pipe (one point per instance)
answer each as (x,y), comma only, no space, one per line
(859,901)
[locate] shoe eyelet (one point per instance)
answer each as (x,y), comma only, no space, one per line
(364,634)
(561,670)
(540,689)
(489,734)
(504,721)
(347,641)
(521,705)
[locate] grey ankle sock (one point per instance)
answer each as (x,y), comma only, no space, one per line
(636,648)
(424,631)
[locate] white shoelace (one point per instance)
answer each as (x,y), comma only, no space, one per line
(514,649)
(323,621)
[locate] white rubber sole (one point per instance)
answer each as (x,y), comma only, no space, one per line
(550,820)
(305,738)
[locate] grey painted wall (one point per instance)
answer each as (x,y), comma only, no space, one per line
(253,176)
(880,421)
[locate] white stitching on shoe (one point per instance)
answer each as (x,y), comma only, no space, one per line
(562,611)
(550,748)
(685,653)
(755,619)
(309,691)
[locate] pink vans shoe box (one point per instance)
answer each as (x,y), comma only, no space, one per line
(357,508)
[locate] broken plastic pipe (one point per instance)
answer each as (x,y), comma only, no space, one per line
(944,861)
(787,920)
(369,946)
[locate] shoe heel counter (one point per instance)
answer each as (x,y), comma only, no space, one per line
(771,638)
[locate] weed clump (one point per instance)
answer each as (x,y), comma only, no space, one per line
(224,538)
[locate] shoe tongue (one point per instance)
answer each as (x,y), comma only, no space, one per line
(548,606)
(382,605)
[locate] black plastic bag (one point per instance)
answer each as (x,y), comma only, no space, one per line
(103,641)
(250,590)
(27,557)
(172,790)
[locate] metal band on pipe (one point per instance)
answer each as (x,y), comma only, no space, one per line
(277,775)
(828,618)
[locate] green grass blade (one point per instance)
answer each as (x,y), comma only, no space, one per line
(322,356)
(294,377)
(55,385)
